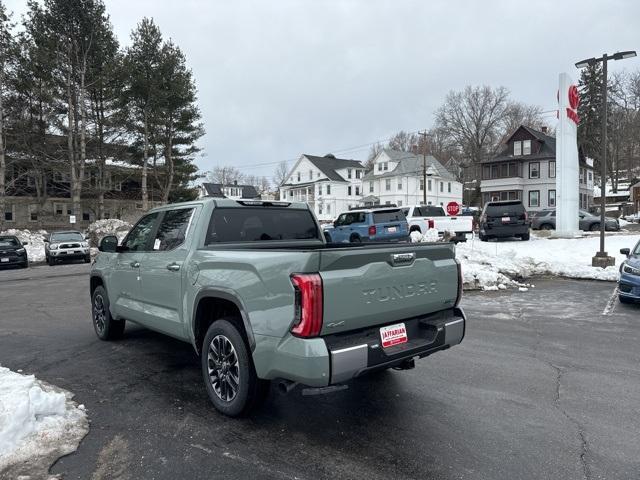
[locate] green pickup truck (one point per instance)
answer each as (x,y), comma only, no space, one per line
(261,296)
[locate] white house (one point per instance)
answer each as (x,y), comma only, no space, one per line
(398,178)
(232,190)
(328,184)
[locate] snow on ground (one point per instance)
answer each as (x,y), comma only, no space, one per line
(38,424)
(110,226)
(511,263)
(35,239)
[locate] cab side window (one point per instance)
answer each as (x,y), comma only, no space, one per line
(173,229)
(138,238)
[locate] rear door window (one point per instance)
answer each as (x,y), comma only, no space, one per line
(432,211)
(505,209)
(251,224)
(388,216)
(173,229)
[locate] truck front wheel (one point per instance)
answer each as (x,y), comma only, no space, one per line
(105,326)
(228,371)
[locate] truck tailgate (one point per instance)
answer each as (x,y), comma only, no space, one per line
(379,284)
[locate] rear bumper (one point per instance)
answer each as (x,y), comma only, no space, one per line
(355,354)
(332,359)
(504,231)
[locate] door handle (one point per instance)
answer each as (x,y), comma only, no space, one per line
(174,267)
(135,264)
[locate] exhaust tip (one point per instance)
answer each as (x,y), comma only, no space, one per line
(285,386)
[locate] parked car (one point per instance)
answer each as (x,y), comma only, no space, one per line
(546,220)
(423,217)
(504,219)
(12,251)
(369,224)
(261,296)
(629,281)
(67,245)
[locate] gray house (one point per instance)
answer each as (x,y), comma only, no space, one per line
(525,169)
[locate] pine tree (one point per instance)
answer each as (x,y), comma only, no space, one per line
(7,63)
(590,112)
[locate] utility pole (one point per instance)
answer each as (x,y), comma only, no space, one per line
(424,167)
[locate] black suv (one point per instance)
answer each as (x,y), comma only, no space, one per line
(504,219)
(12,251)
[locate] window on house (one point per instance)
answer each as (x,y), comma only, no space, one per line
(517,149)
(387,184)
(385,166)
(86,216)
(59,208)
(399,203)
(442,186)
(534,169)
(319,189)
(357,190)
(117,186)
(310,174)
(291,193)
(380,167)
(421,184)
(526,147)
(328,193)
(298,176)
(349,190)
(400,184)
(328,208)
(504,170)
(320,209)
(348,173)
(582,179)
(33,212)
(552,169)
(513,170)
(552,198)
(370,187)
(449,187)
(534,198)
(358,173)
(486,172)
(429,185)
(8,213)
(590,176)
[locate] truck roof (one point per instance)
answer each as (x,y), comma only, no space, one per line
(230,203)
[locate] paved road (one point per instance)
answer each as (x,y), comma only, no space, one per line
(543,386)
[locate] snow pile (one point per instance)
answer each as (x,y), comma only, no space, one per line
(110,226)
(38,424)
(430,235)
(35,239)
(490,265)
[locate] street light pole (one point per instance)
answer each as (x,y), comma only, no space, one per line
(602,259)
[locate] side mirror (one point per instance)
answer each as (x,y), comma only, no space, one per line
(87,237)
(108,244)
(25,243)
(625,251)
(335,224)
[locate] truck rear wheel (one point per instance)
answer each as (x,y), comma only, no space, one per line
(228,371)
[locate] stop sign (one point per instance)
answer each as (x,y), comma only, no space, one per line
(453,208)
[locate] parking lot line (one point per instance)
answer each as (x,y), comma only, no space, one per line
(611,303)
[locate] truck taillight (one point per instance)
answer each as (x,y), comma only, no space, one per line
(431,223)
(459,295)
(372,230)
(308,304)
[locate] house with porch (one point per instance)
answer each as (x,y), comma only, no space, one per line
(525,169)
(330,185)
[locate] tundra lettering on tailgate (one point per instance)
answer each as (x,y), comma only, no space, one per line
(398,292)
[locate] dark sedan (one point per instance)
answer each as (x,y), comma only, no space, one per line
(546,220)
(12,252)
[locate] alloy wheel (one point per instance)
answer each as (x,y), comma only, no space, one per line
(223,368)
(99,313)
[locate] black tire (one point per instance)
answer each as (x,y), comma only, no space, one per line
(594,227)
(105,326)
(87,259)
(483,238)
(51,261)
(546,226)
(25,265)
(355,238)
(525,236)
(233,368)
(624,299)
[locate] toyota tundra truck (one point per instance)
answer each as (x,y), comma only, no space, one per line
(261,296)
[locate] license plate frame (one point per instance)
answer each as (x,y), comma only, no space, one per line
(392,229)
(393,335)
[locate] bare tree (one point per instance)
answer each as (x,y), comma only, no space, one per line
(281,173)
(226,175)
(519,113)
(374,151)
(403,141)
(473,119)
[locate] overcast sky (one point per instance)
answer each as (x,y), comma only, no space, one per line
(283,77)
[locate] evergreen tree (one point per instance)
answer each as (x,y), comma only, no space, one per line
(7,64)
(590,112)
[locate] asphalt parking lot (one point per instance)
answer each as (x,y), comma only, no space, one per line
(545,385)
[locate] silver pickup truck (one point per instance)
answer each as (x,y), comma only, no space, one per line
(261,296)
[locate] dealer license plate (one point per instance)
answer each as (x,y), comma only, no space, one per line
(4,259)
(393,335)
(391,229)
(506,219)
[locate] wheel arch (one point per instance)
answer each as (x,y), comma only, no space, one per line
(96,280)
(212,304)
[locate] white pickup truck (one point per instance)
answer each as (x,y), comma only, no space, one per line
(423,217)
